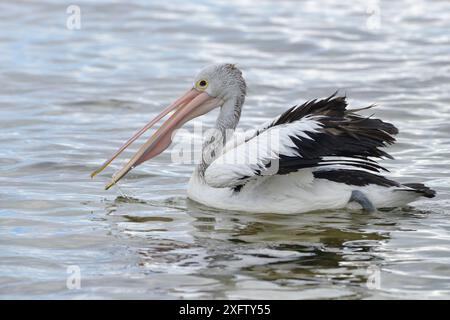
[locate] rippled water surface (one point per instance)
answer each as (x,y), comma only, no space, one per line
(69,98)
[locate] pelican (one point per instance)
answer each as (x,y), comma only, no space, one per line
(315,156)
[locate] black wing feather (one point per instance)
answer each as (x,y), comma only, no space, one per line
(346,138)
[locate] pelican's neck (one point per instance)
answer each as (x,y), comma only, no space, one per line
(215,140)
(229,115)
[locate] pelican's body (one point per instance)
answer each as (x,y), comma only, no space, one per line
(316,156)
(294,193)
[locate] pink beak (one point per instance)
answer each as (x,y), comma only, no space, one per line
(192,104)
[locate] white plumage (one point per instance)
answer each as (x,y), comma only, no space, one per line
(256,152)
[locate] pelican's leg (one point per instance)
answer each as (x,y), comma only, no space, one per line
(359,197)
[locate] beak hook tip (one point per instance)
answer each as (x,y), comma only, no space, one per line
(109,185)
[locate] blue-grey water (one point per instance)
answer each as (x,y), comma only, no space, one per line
(69,98)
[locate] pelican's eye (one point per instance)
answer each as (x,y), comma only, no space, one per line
(201,84)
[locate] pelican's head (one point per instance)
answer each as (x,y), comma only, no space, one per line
(213,87)
(223,81)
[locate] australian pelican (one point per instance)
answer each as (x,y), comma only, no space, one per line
(323,157)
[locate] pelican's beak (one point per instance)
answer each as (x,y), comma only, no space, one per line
(192,104)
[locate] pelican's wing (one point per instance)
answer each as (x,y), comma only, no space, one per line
(317,133)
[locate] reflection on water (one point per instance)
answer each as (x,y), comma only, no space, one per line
(322,255)
(70,98)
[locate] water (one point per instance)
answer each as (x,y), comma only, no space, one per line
(69,98)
